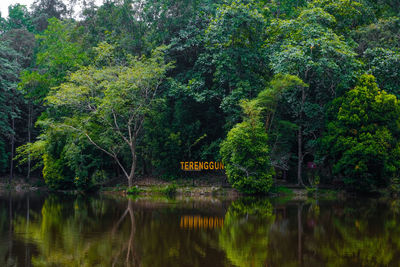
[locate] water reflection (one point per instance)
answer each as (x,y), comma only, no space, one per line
(49,230)
(245,234)
(195,222)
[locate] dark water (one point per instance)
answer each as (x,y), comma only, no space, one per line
(49,230)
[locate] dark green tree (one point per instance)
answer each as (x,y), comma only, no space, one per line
(362,137)
(384,64)
(9,104)
(308,48)
(43,10)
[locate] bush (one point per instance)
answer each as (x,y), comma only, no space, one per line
(311,190)
(246,157)
(82,183)
(53,174)
(99,177)
(394,187)
(314,182)
(170,190)
(134,190)
(282,190)
(39,183)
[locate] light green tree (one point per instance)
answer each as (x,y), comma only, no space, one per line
(109,104)
(245,154)
(284,106)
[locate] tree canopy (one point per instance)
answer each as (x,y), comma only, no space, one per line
(76,87)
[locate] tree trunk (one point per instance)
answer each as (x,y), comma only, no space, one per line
(300,141)
(130,180)
(29,139)
(12,150)
(133,165)
(300,157)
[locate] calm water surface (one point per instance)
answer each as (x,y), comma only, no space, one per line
(50,230)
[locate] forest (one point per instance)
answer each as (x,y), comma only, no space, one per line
(301,90)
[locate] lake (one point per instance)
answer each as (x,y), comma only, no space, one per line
(63,230)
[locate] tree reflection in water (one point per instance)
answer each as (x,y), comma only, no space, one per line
(80,233)
(99,231)
(245,234)
(129,247)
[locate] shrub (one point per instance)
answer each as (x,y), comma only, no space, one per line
(246,157)
(53,173)
(81,183)
(394,187)
(170,190)
(134,190)
(99,177)
(282,190)
(39,183)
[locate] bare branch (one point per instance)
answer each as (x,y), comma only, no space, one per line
(117,127)
(111,154)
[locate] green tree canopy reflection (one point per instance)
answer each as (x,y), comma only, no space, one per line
(244,236)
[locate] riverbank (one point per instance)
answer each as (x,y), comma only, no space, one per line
(190,187)
(215,186)
(19,184)
(199,186)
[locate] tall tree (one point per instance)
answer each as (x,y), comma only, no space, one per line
(284,104)
(308,48)
(362,138)
(9,98)
(109,104)
(19,18)
(42,10)
(58,52)
(384,64)
(234,65)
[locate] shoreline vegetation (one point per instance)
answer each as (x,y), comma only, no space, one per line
(305,91)
(196,187)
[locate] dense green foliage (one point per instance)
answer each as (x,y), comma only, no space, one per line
(73,89)
(246,156)
(108,105)
(362,139)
